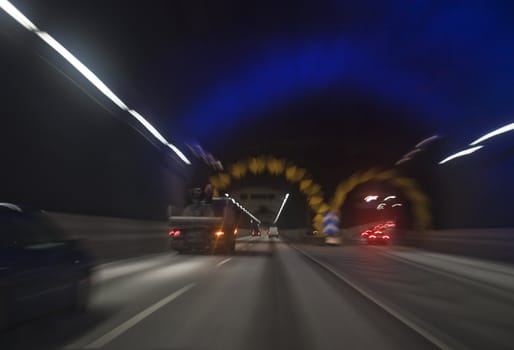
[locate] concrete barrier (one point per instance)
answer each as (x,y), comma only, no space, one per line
(112,239)
(491,244)
(109,238)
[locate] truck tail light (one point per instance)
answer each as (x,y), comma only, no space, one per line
(174,233)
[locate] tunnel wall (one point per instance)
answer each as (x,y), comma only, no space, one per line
(109,238)
(492,244)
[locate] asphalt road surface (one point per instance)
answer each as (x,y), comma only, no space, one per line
(270,295)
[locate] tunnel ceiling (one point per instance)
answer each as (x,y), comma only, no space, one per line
(334,86)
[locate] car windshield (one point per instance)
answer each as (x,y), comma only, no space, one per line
(317,174)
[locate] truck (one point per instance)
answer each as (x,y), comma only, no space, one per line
(212,229)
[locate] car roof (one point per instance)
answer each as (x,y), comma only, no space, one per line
(11,207)
(16,208)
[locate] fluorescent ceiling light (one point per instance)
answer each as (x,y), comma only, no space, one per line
(502,130)
(281,207)
(148,126)
(403,160)
(11,206)
(412,153)
(87,73)
(17,15)
(178,153)
(426,141)
(371,198)
(461,154)
(389,197)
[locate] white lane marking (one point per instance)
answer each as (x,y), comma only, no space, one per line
(223,262)
(125,326)
(431,338)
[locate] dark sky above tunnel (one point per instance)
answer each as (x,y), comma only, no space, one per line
(337,86)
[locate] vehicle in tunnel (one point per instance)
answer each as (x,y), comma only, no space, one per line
(256,230)
(273,232)
(379,236)
(41,269)
(215,232)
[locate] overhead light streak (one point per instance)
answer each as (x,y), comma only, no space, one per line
(17,15)
(499,131)
(427,141)
(461,154)
(281,208)
(86,73)
(403,160)
(417,149)
(370,198)
(240,206)
(389,197)
(412,153)
(396,205)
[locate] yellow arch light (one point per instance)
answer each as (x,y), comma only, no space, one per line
(318,218)
(299,175)
(215,181)
(275,166)
(315,200)
(257,165)
(238,170)
(314,190)
(304,184)
(224,180)
(290,172)
(323,208)
(406,185)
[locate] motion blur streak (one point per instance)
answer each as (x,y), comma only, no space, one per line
(86,72)
(245,210)
(158,135)
(461,154)
(502,130)
(281,208)
(426,141)
(17,15)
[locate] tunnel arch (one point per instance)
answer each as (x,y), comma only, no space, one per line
(271,165)
(419,201)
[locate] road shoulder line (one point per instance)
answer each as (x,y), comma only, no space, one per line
(406,321)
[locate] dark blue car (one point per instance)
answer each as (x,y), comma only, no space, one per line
(41,268)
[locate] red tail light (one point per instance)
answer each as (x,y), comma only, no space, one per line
(174,233)
(364,234)
(372,236)
(385,237)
